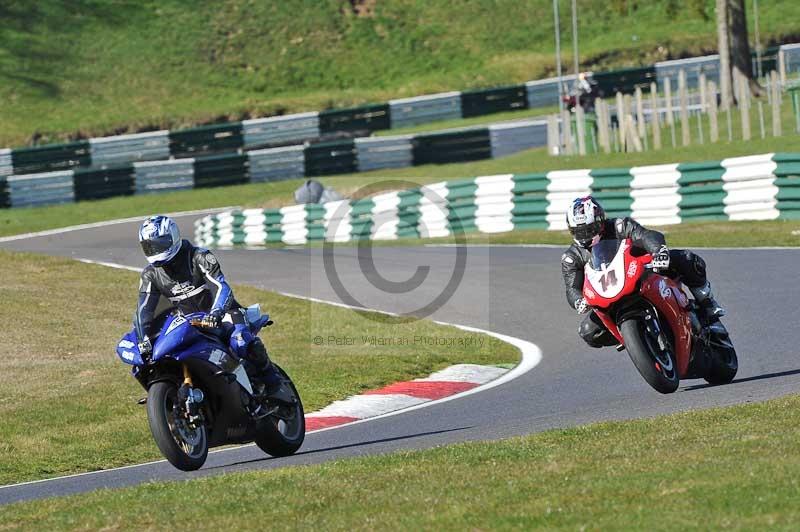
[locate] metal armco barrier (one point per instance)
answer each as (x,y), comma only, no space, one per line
(163,176)
(289,162)
(374,153)
(6,166)
(506,139)
(206,139)
(41,189)
(327,158)
(277,164)
(424,109)
(484,102)
(103,183)
(758,187)
(365,118)
(279,130)
(125,149)
(453,146)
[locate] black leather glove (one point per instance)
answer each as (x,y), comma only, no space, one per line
(213,320)
(661,259)
(145,347)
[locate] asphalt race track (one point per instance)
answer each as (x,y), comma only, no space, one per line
(515,291)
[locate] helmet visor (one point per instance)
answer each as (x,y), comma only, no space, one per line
(585,233)
(156,246)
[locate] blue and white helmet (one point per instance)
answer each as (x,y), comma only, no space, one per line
(585,220)
(160,239)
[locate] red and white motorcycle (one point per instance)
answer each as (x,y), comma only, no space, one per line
(665,333)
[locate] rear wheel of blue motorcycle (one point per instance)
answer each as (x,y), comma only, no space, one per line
(282,434)
(183,447)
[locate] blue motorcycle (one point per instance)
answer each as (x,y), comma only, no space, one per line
(199,394)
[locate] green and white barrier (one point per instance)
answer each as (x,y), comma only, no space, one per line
(758,187)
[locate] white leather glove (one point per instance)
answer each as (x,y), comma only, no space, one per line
(581,306)
(661,259)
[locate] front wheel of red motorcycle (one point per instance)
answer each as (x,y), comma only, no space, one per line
(657,366)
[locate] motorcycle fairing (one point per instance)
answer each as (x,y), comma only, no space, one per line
(665,294)
(128,349)
(671,302)
(180,341)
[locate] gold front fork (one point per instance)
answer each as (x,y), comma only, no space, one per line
(187,377)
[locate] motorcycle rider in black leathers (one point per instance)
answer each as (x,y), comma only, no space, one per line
(587,222)
(189,279)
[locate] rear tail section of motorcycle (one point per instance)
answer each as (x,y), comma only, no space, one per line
(723,362)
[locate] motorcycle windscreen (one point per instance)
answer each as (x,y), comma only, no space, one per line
(604,252)
(175,333)
(606,272)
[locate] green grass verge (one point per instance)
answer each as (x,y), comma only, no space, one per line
(725,468)
(94,67)
(781,233)
(67,404)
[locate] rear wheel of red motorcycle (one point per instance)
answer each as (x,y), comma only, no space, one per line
(724,362)
(656,366)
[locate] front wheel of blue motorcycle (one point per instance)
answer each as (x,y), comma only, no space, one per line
(183,445)
(282,433)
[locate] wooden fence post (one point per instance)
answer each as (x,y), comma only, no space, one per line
(580,129)
(566,128)
(654,122)
(700,135)
(702,83)
(744,111)
(602,125)
(632,137)
(713,132)
(668,98)
(670,114)
(684,99)
(776,105)
(730,127)
(621,119)
(782,66)
(640,113)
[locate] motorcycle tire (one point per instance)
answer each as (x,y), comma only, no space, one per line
(724,362)
(178,451)
(276,436)
(657,368)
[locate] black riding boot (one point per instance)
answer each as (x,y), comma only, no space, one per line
(265,372)
(705,298)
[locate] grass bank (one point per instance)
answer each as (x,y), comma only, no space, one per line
(95,67)
(726,468)
(67,404)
